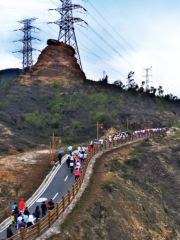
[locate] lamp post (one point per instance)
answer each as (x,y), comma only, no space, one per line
(98,125)
(127,124)
(149,124)
(52,146)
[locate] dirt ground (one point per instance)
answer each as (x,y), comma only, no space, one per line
(133,194)
(20,176)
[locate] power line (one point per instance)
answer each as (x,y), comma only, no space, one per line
(111,26)
(110,35)
(98,57)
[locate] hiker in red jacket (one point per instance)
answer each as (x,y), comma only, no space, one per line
(77,173)
(89,148)
(21,205)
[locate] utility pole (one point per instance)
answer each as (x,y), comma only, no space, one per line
(52,146)
(149,124)
(66,25)
(98,125)
(27,42)
(104,74)
(147,76)
(127,124)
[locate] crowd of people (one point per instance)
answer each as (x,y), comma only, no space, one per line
(75,160)
(21,216)
(122,135)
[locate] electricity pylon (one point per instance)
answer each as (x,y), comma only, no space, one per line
(27,42)
(66,25)
(147,76)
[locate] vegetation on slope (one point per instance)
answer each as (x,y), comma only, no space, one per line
(34,111)
(133,194)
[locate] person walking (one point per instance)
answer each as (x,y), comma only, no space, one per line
(14,206)
(19,219)
(26,215)
(68,160)
(72,165)
(50,204)
(21,205)
(59,157)
(79,148)
(16,214)
(77,173)
(31,220)
(12,217)
(80,156)
(9,231)
(37,213)
(21,225)
(44,209)
(89,148)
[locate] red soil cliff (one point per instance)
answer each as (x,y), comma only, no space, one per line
(57,62)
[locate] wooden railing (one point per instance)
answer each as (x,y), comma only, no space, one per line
(46,222)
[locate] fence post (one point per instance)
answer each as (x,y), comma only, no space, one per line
(22,234)
(63,201)
(57,210)
(39,227)
(49,218)
(91,153)
(73,191)
(69,197)
(105,145)
(100,147)
(76,186)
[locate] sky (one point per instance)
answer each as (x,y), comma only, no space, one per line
(122,36)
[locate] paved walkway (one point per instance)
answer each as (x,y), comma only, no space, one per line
(59,186)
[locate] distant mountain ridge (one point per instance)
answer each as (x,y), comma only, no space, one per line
(8,74)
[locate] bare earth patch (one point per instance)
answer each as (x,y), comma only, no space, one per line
(20,176)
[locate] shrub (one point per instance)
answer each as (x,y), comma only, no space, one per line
(7,85)
(55,122)
(113,166)
(76,124)
(107,186)
(101,117)
(44,97)
(58,86)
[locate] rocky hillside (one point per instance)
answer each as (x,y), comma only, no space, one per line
(54,96)
(55,63)
(133,194)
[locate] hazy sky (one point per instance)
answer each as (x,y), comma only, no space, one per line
(136,34)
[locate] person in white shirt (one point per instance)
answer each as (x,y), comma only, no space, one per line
(110,138)
(79,148)
(32,220)
(83,149)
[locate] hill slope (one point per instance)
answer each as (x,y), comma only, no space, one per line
(54,96)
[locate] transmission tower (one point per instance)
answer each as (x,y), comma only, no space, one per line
(66,25)
(27,42)
(147,76)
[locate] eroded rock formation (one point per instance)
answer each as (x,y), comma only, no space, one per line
(57,62)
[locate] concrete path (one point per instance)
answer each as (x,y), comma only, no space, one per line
(58,187)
